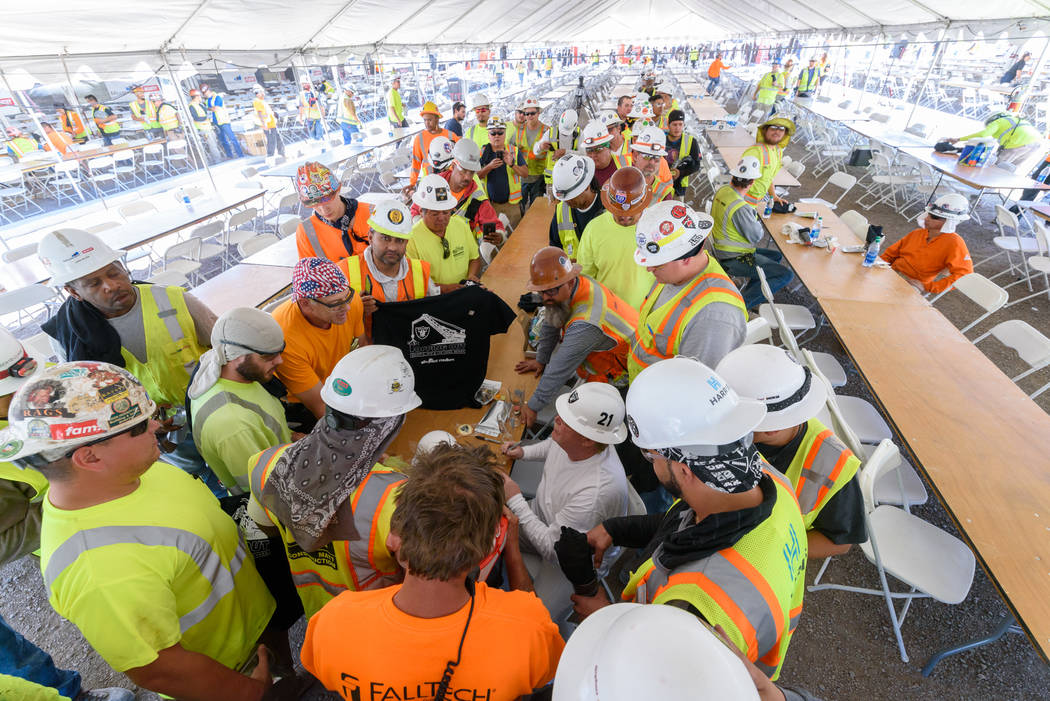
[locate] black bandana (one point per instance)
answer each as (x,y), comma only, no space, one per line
(737,468)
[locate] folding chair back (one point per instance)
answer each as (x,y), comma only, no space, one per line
(982,292)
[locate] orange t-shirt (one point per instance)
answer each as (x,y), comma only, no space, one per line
(363,647)
(311,353)
(923,260)
(715,69)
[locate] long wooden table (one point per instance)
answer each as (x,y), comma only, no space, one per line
(981,178)
(706,109)
(244,285)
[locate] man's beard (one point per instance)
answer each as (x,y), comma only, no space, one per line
(252,372)
(558,313)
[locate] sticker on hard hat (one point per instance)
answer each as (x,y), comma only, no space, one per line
(118,418)
(574,397)
(652,247)
(112,393)
(395,216)
(441,194)
(620,198)
(632,426)
(79,429)
(696,239)
(10,448)
(666,227)
(704,224)
(678,211)
(341,387)
(395,386)
(56,412)
(37,429)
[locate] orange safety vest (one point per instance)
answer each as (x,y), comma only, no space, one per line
(593,303)
(71,123)
(421,149)
(314,238)
(412,286)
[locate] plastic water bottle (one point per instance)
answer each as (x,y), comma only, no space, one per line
(814,231)
(185,198)
(872,253)
(768,211)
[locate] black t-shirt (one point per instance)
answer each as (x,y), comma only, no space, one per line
(496,183)
(581,217)
(445,339)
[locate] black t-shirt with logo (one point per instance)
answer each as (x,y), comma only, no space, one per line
(445,339)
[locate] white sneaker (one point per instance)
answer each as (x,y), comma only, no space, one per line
(111,693)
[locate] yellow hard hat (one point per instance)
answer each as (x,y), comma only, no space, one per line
(430,108)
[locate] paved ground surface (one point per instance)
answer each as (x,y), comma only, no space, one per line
(844,647)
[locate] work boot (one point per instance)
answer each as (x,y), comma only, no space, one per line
(110,693)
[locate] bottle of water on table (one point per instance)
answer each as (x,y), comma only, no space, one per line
(873,252)
(768,211)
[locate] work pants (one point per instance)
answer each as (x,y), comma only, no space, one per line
(314,129)
(533,190)
(349,132)
(107,139)
(211,144)
(1017,156)
(274,143)
(230,146)
(22,659)
(777,275)
(1032,194)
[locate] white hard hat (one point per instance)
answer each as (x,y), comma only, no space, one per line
(479,100)
(641,109)
(594,135)
(650,140)
(69,254)
(772,375)
(681,402)
(626,652)
(529,103)
(609,118)
(594,410)
(16,364)
(372,382)
(571,175)
(433,439)
(392,218)
(440,153)
(568,121)
(748,168)
(950,206)
(69,404)
(467,154)
(433,192)
(668,230)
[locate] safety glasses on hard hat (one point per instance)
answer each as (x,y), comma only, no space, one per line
(322,200)
(269,355)
(136,430)
(23,367)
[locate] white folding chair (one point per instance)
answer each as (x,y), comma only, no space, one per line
(153,158)
(240,227)
(124,165)
(102,171)
(758,330)
(839,179)
(1031,346)
(488,251)
(28,301)
(796,168)
(1011,241)
(11,255)
(169,278)
(1039,264)
(288,227)
(66,176)
(255,244)
(101,226)
(210,247)
(931,562)
(797,317)
(13,189)
(857,223)
(982,292)
(183,258)
(177,155)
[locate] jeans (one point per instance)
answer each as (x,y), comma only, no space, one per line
(349,130)
(24,660)
(712,83)
(314,129)
(274,142)
(107,139)
(1033,194)
(530,191)
(777,275)
(230,146)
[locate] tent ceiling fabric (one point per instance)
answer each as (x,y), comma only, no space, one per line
(253,25)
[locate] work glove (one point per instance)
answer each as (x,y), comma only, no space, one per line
(576,561)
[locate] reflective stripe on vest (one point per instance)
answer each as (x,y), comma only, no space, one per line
(110,128)
(21,145)
(822,465)
(312,239)
(218,401)
(479,135)
(570,240)
(195,547)
(360,279)
(725,236)
(807,79)
(765,159)
(591,304)
(220,115)
(345,116)
(661,189)
(200,114)
(687,148)
(621,159)
(149,119)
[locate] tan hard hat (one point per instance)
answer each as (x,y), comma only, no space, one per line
(626,193)
(551,267)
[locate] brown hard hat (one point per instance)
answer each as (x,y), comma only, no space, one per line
(626,193)
(551,267)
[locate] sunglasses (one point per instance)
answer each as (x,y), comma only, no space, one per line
(497,133)
(339,303)
(323,200)
(530,114)
(446,250)
(136,430)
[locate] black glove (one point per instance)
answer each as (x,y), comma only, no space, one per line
(529,302)
(873,233)
(576,561)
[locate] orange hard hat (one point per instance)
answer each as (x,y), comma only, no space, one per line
(626,193)
(550,268)
(195,93)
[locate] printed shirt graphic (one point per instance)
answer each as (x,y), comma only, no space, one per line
(445,339)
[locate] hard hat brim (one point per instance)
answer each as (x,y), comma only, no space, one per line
(741,420)
(614,437)
(103,261)
(798,413)
(616,209)
(576,268)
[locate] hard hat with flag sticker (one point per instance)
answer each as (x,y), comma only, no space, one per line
(625,193)
(669,230)
(550,268)
(392,218)
(530,103)
(748,168)
(315,183)
(440,153)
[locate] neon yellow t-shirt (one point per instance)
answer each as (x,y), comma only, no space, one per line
(607,255)
(463,248)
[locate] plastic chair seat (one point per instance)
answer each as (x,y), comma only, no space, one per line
(1009,243)
(862,417)
(831,368)
(910,491)
(921,554)
(1039,263)
(184,267)
(797,317)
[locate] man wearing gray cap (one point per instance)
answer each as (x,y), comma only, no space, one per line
(232,415)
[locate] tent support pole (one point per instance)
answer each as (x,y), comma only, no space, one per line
(75,104)
(190,127)
(939,49)
(871,62)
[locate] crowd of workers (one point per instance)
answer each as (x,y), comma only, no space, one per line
(693,459)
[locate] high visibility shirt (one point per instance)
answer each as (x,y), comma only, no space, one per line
(769,158)
(395,111)
(808,79)
(21,145)
(167,117)
(314,238)
(753,589)
(58,141)
(341,565)
(923,260)
(536,164)
(220,115)
(1010,132)
(233,421)
(160,566)
(462,248)
(821,467)
(556,144)
(199,112)
(172,347)
(14,473)
(693,55)
(663,188)
(145,112)
(309,105)
(660,329)
(567,234)
(594,304)
(514,132)
(348,111)
(421,149)
(72,124)
(607,255)
(725,237)
(264,112)
(785,81)
(768,87)
(412,286)
(479,134)
(715,69)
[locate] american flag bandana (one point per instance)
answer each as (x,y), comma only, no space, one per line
(313,278)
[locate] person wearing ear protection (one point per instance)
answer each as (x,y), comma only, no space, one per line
(924,253)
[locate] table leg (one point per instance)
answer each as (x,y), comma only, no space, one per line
(1007,624)
(940,177)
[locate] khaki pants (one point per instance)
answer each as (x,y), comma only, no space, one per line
(1019,155)
(513,211)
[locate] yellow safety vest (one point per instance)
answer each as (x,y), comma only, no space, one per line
(199,110)
(21,145)
(111,127)
(660,329)
(172,348)
(768,87)
(808,79)
(725,236)
(594,304)
(693,55)
(479,135)
(168,119)
(221,114)
(567,234)
(513,179)
(752,589)
(346,115)
(684,151)
(770,158)
(479,195)
(341,565)
(822,466)
(311,111)
(554,147)
(149,119)
(537,164)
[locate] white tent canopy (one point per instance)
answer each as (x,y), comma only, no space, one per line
(132,26)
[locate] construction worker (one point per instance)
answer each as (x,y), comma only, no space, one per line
(479,131)
(311,112)
(923,254)
(808,80)
(267,121)
(349,122)
(18,144)
(328,495)
(521,72)
(322,319)
(338,226)
(736,528)
(443,240)
(202,121)
(1018,138)
(683,152)
(231,413)
(71,123)
(694,309)
(421,142)
(648,154)
(737,231)
(167,118)
(790,437)
(455,123)
(767,89)
(557,142)
(220,119)
(144,111)
(576,188)
(395,111)
(694,56)
(515,128)
(593,325)
(624,107)
(439,156)
(502,168)
(660,110)
(58,141)
(596,142)
(615,126)
(786,80)
(472,204)
(531,133)
(771,140)
(175,601)
(105,120)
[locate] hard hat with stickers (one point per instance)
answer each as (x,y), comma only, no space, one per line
(669,230)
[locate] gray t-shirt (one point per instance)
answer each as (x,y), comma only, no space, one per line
(717,329)
(581,339)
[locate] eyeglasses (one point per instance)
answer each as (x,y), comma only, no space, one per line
(552,291)
(648,156)
(446,250)
(136,430)
(530,114)
(340,303)
(596,149)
